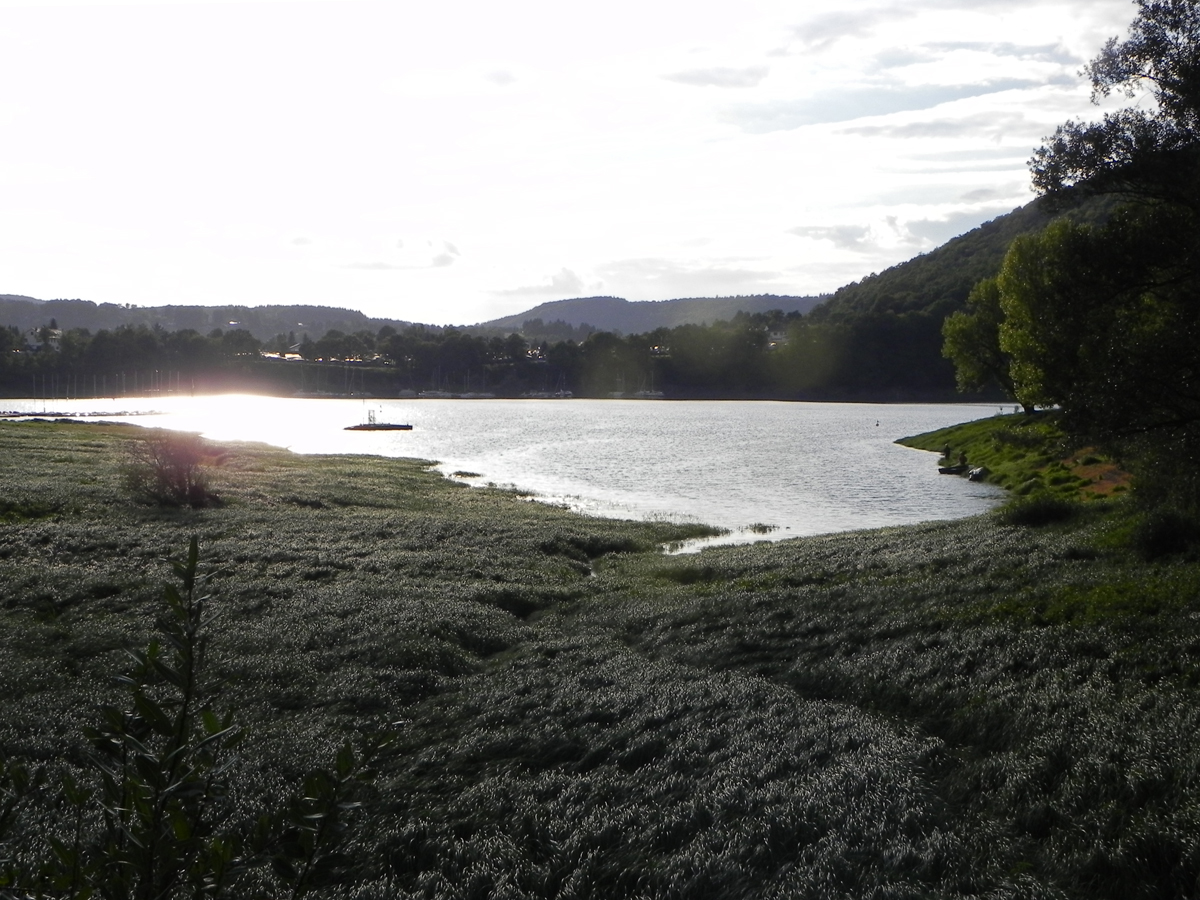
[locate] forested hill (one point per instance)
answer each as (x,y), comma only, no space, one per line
(641,316)
(881,338)
(264,322)
(937,282)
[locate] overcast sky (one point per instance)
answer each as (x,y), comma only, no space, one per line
(452,162)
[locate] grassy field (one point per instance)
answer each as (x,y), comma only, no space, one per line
(966,709)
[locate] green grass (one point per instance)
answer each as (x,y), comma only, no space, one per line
(1029,455)
(947,710)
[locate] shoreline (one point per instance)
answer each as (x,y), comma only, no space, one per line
(592,456)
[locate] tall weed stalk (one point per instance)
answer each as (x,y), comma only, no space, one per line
(154,819)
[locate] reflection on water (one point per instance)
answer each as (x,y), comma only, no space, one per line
(764,470)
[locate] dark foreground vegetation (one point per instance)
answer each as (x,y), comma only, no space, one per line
(999,707)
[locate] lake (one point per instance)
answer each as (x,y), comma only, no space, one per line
(762,470)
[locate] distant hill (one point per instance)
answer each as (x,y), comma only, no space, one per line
(264,322)
(930,286)
(640,316)
(935,283)
(876,339)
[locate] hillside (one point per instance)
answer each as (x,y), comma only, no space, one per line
(939,281)
(881,338)
(264,322)
(640,316)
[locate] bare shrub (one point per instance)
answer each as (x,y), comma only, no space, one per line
(169,468)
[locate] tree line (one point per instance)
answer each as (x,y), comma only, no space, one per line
(775,354)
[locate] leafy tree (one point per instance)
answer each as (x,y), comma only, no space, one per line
(239,342)
(809,359)
(1144,149)
(607,365)
(10,343)
(1103,321)
(1100,319)
(972,341)
(190,350)
(457,357)
(515,347)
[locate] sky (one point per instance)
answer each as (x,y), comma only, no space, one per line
(453,162)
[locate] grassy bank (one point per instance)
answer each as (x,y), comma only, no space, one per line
(946,710)
(1028,454)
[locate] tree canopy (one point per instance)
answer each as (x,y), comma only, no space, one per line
(1102,318)
(1140,149)
(1102,321)
(972,341)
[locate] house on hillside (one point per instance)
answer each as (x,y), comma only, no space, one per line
(44,338)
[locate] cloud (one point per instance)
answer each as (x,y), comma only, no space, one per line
(301,241)
(565,283)
(891,58)
(899,58)
(501,78)
(447,257)
(974,154)
(915,234)
(989,124)
(935,232)
(825,30)
(1050,53)
(858,238)
(857,103)
(981,194)
(722,77)
(937,193)
(656,278)
(1085,7)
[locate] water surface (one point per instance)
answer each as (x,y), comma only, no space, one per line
(760,469)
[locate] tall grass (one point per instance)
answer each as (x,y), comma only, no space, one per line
(948,710)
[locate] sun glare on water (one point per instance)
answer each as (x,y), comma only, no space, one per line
(270,420)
